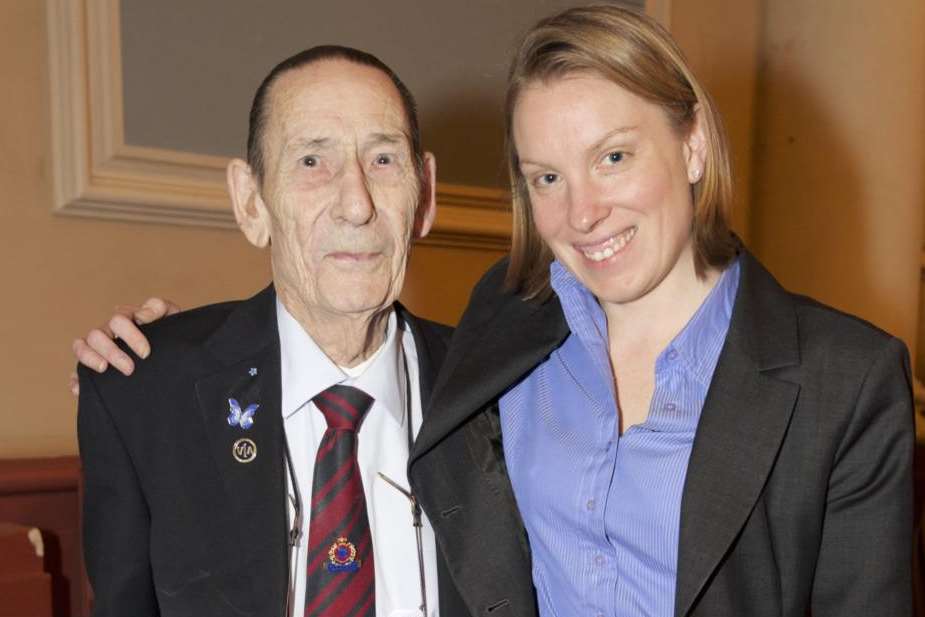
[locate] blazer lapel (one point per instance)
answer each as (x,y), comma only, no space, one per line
(741,428)
(250,461)
(485,358)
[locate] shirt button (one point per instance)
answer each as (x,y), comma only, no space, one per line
(590,504)
(672,354)
(599,560)
(671,407)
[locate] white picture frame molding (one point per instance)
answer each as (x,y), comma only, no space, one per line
(96,174)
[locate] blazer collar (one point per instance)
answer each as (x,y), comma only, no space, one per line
(249,328)
(742,426)
(500,339)
(430,351)
(764,320)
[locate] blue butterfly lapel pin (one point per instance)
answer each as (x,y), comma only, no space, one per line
(237,417)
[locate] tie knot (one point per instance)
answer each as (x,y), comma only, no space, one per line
(343,406)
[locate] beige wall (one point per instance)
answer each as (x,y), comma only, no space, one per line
(838,193)
(824,103)
(825,107)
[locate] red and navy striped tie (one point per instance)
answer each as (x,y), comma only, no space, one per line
(341,575)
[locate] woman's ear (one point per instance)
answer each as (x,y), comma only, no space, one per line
(695,147)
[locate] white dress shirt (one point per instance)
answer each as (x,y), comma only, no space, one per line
(382,447)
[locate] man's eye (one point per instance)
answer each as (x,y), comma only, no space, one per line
(614,157)
(384,159)
(309,161)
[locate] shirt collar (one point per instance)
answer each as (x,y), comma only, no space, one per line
(306,370)
(699,343)
(583,314)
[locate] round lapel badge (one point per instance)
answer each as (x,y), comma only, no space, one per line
(244,450)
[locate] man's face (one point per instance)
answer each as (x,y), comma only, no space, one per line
(341,190)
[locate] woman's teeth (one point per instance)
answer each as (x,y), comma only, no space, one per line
(612,246)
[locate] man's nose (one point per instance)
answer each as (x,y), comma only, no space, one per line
(355,205)
(586,207)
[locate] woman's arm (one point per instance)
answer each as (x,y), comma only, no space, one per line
(865,557)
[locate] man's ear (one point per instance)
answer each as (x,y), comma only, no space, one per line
(695,147)
(427,207)
(249,210)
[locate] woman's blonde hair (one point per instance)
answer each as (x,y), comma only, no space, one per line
(637,54)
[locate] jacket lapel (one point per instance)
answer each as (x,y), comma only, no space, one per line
(486,357)
(250,461)
(741,428)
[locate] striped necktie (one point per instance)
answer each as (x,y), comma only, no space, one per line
(340,577)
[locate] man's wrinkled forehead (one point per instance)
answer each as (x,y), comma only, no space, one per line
(332,98)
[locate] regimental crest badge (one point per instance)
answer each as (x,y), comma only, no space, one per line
(342,556)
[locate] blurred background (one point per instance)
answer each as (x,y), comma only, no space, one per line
(118,117)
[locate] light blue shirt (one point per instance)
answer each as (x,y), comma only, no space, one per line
(603,510)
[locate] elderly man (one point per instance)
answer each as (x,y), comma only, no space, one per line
(280,426)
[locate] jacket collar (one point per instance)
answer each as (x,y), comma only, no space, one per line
(499,340)
(430,350)
(249,328)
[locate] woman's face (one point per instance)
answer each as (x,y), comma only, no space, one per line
(609,180)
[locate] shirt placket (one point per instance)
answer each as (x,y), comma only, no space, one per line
(601,555)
